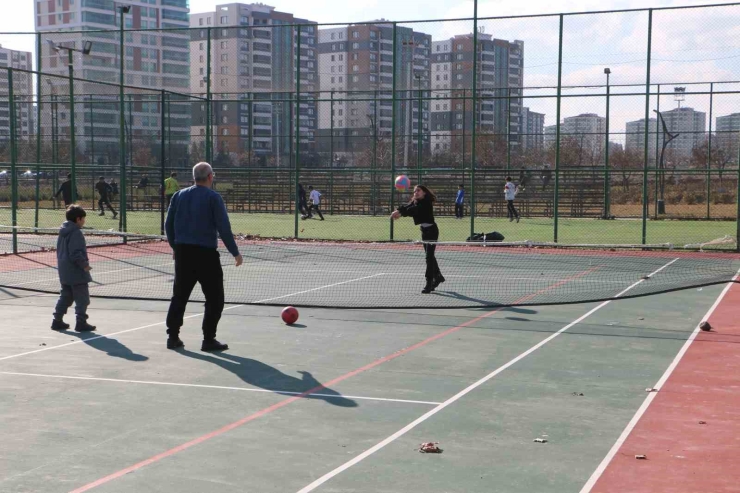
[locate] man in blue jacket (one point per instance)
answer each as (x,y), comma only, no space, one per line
(195,216)
(460,201)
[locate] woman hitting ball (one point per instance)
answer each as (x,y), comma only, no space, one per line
(421,209)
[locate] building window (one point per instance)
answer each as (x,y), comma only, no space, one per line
(225,131)
(355,78)
(355,46)
(333,58)
(225,70)
(200,21)
(373,78)
(355,34)
(224,44)
(224,119)
(373,35)
(224,57)
(333,35)
(355,68)
(341,58)
(355,56)
(224,19)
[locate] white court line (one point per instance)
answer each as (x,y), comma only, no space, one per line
(649,399)
(221,387)
(326,477)
(92,273)
(162,323)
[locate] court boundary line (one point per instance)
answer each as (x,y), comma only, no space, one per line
(601,468)
(331,474)
(285,402)
(218,387)
(195,315)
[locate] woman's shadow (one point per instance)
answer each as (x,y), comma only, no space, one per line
(266,377)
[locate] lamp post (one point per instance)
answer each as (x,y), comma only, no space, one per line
(73,144)
(607,211)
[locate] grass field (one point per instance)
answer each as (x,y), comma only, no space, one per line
(378,228)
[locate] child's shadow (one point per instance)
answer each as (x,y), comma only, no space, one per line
(107,345)
(266,377)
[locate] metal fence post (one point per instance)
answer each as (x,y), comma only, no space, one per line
(556,198)
(508,132)
(122,128)
(606,154)
(331,153)
(737,197)
(647,130)
(72,129)
(297,127)
(394,112)
(13,161)
(658,169)
(709,149)
(474,119)
(38,129)
(162,158)
(209,103)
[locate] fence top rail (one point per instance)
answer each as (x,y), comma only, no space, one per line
(390,23)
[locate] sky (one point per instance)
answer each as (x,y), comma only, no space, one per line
(688,45)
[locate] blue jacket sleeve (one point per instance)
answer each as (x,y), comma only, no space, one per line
(169,224)
(223,225)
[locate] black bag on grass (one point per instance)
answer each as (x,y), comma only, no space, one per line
(493,236)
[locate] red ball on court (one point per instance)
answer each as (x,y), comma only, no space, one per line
(290,315)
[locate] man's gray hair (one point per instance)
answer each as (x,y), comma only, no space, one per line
(201,171)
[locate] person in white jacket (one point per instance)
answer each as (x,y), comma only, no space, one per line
(510,190)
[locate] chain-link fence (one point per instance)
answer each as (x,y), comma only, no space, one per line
(618,127)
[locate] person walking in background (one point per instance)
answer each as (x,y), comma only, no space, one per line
(523,178)
(546,176)
(105,191)
(460,201)
(302,204)
(510,194)
(170,188)
(66,190)
(196,216)
(74,269)
(315,197)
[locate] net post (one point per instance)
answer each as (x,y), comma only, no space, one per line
(394,111)
(72,141)
(297,126)
(92,155)
(709,148)
(647,130)
(556,197)
(209,97)
(13,161)
(38,130)
(474,140)
(162,157)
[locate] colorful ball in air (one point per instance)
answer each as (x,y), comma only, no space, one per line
(289,315)
(403,183)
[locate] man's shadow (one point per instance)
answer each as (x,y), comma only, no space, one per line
(266,377)
(110,346)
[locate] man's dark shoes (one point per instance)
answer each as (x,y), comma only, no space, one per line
(437,281)
(175,343)
(83,326)
(59,325)
(428,288)
(210,345)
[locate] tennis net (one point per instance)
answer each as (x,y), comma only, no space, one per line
(377,275)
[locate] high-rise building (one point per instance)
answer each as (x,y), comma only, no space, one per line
(253,59)
(23,92)
(635,138)
(728,134)
(690,125)
(153,60)
(356,65)
(500,80)
(532,129)
(585,132)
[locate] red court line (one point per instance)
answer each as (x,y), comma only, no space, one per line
(318,388)
(684,456)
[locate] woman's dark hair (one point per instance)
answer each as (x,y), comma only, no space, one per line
(74,212)
(427,193)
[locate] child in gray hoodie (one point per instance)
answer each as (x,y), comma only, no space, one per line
(74,271)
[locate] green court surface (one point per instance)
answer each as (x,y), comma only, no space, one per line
(377,228)
(82,410)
